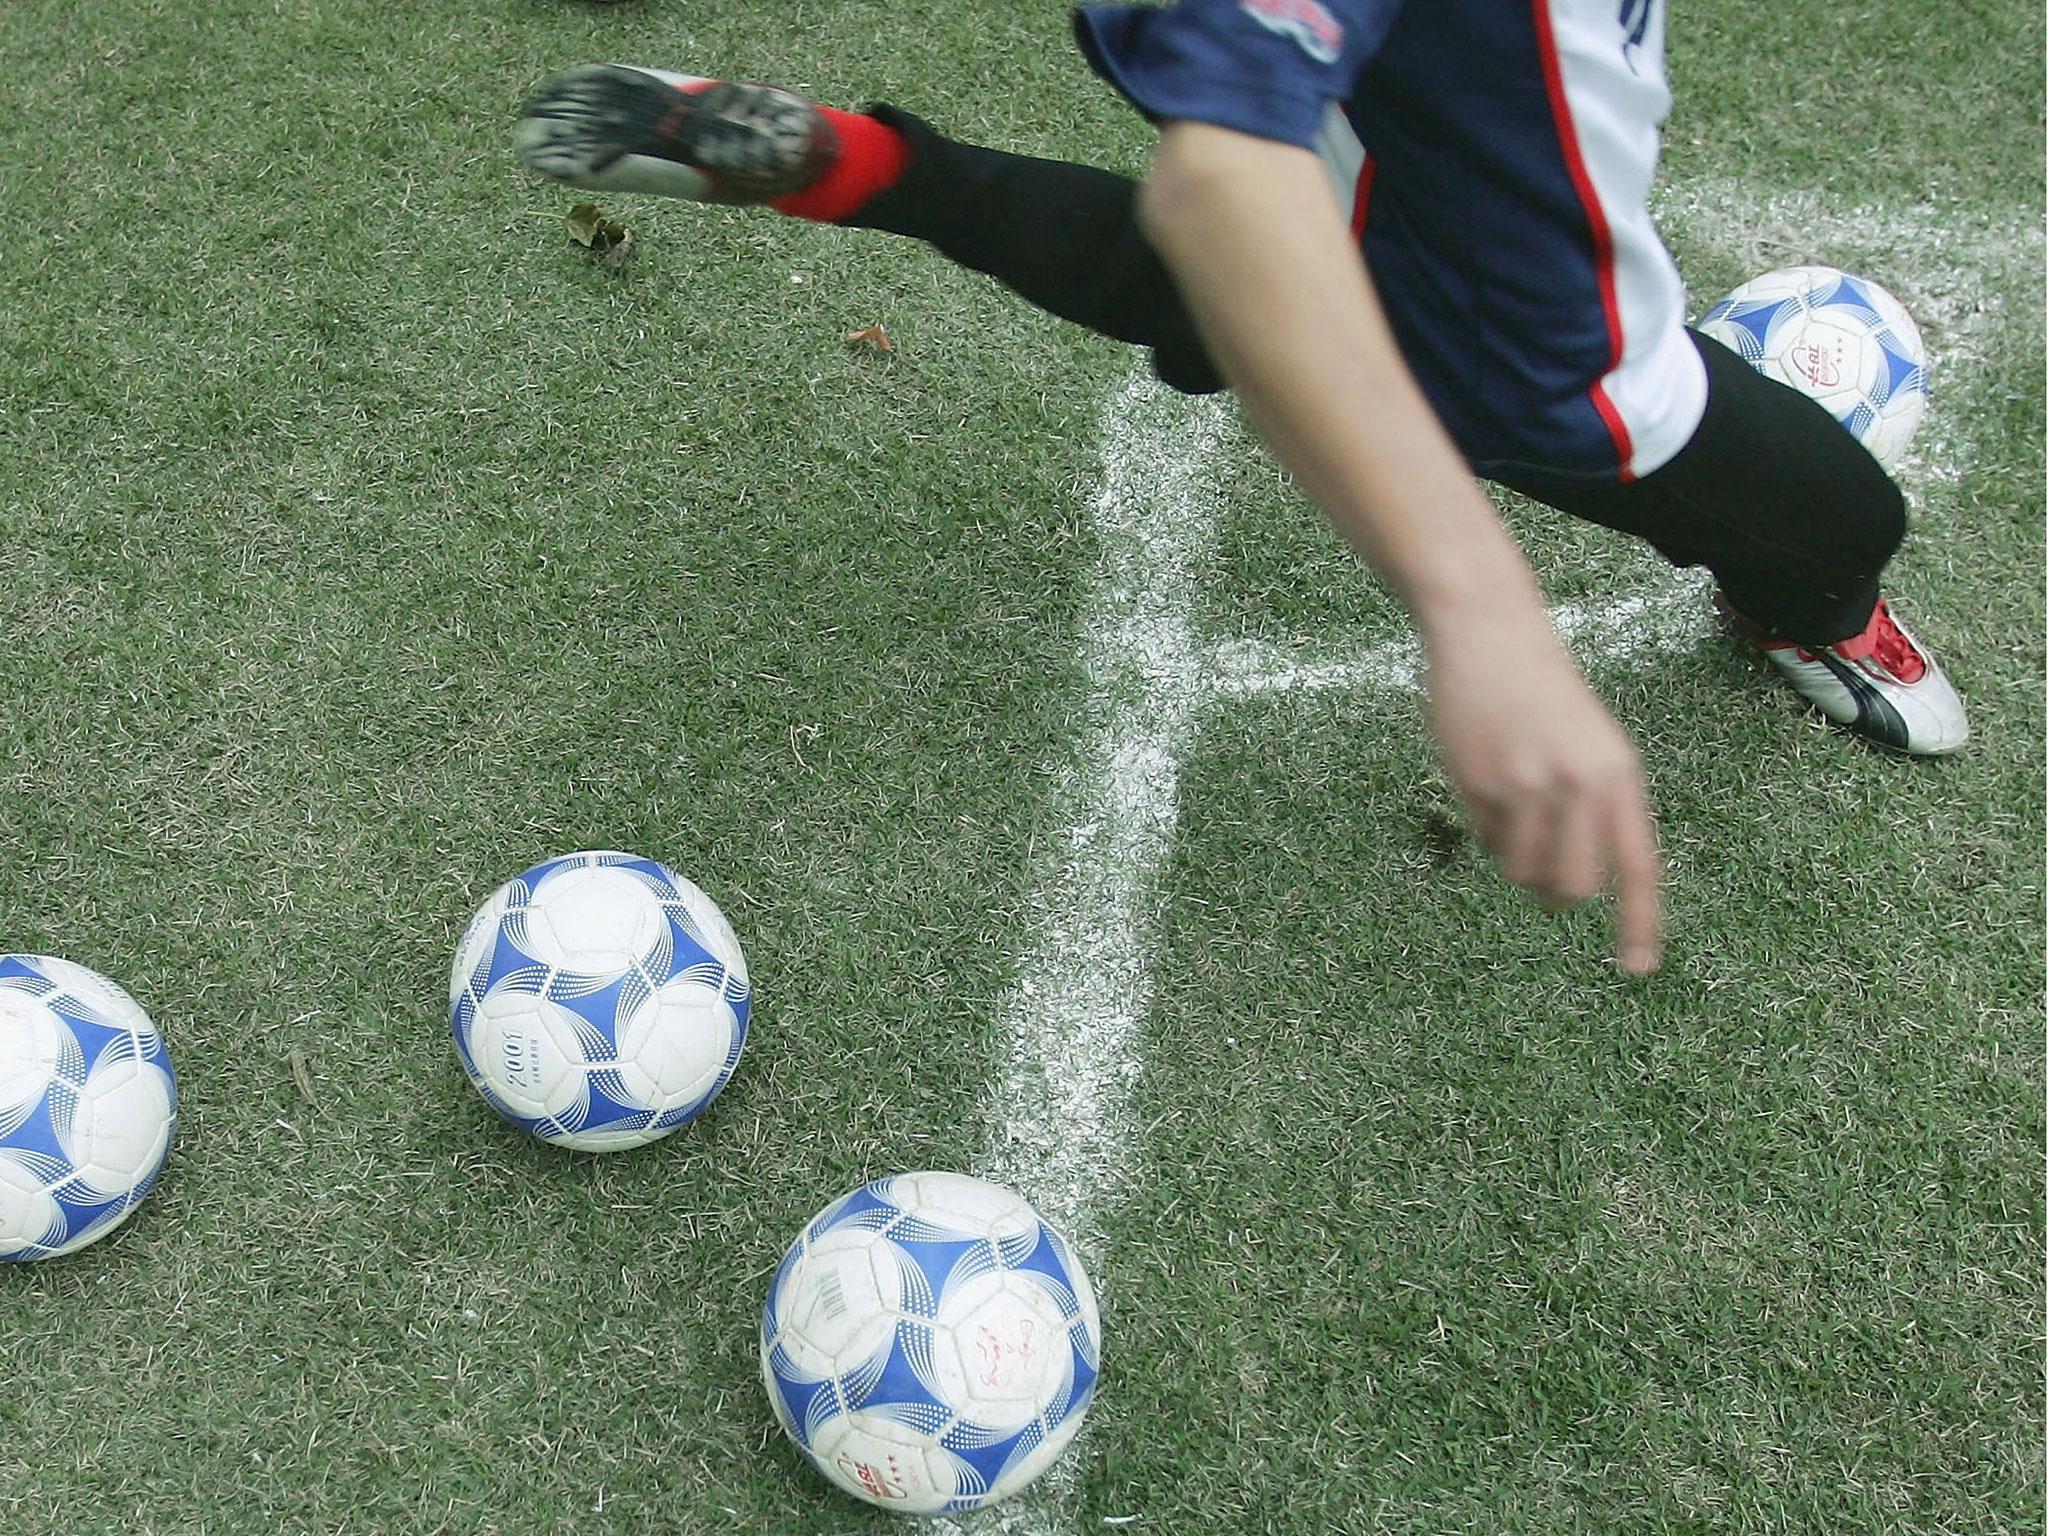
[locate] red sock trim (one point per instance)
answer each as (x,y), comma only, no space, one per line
(871,156)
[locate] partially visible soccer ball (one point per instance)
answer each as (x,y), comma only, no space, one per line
(930,1343)
(599,1001)
(88,1106)
(1843,340)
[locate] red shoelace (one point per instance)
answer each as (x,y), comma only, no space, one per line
(1883,642)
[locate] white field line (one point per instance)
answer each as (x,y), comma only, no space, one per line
(1058,1121)
(1243,668)
(1672,610)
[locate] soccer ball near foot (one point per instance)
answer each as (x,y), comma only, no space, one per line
(88,1106)
(930,1343)
(599,1001)
(1842,340)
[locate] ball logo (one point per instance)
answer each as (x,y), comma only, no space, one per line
(1820,366)
(1003,1355)
(831,1295)
(520,1057)
(884,1482)
(1312,28)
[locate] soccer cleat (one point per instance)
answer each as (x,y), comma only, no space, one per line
(1881,684)
(620,128)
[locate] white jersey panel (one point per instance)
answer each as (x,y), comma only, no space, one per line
(1659,387)
(1343,157)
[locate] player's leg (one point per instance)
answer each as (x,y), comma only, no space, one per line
(1063,236)
(1797,521)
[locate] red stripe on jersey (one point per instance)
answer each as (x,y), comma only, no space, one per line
(1596,226)
(1616,429)
(1361,196)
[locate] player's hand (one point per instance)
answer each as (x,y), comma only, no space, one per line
(1552,783)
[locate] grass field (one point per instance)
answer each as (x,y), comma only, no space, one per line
(365,542)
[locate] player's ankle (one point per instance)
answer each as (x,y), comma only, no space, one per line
(872,156)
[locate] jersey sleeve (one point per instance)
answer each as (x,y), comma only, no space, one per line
(1269,68)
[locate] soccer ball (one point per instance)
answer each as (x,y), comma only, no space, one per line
(1843,340)
(88,1106)
(930,1343)
(599,1001)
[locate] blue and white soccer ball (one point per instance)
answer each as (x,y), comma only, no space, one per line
(88,1106)
(599,1001)
(930,1343)
(1843,340)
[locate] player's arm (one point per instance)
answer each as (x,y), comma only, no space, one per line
(1257,246)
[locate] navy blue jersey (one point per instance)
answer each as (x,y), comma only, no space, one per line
(1495,157)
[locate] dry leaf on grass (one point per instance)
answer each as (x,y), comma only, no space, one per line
(593,231)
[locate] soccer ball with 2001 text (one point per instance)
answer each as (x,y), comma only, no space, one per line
(1842,340)
(88,1106)
(930,1343)
(599,1001)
